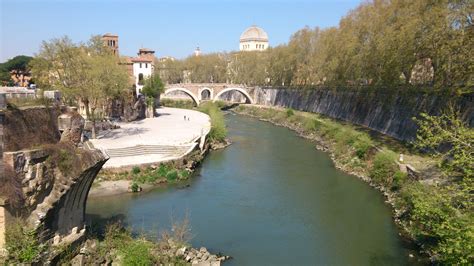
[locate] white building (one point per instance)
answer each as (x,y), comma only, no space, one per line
(143,67)
(253,39)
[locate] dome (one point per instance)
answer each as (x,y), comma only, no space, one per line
(254,33)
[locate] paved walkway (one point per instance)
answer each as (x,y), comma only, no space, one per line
(166,137)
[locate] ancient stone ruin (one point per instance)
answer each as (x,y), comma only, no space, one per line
(51,179)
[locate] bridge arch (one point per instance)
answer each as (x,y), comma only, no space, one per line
(205,94)
(241,90)
(188,92)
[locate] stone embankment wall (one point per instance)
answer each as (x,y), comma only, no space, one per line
(387,111)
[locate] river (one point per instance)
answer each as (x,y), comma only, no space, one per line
(270,198)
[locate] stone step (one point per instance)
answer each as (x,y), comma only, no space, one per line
(165,150)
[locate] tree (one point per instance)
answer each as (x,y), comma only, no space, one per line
(152,89)
(84,73)
(18,63)
(449,137)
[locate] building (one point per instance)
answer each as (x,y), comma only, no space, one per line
(197,52)
(143,67)
(138,68)
(253,39)
(111,40)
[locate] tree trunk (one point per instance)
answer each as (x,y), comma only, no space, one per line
(90,115)
(93,134)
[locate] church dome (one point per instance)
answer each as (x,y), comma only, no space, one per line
(254,33)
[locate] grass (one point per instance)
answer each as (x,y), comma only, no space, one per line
(123,247)
(165,172)
(22,243)
(218,130)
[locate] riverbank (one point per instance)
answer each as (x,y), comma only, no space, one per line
(116,245)
(359,154)
(141,178)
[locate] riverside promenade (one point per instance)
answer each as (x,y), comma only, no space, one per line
(166,137)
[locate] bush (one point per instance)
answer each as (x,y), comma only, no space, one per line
(136,170)
(439,221)
(163,170)
(22,243)
(399,179)
(362,145)
(290,112)
(172,175)
(184,174)
(134,187)
(383,167)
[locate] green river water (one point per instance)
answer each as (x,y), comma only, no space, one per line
(269,199)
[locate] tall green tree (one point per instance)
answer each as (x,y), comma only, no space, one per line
(152,90)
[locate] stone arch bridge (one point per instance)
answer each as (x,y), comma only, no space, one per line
(207,91)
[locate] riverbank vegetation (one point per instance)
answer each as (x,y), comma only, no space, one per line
(154,174)
(433,205)
(218,131)
(383,43)
(112,244)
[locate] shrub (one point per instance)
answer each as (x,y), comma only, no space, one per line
(136,170)
(172,175)
(362,145)
(399,179)
(184,174)
(22,243)
(180,232)
(63,156)
(134,187)
(384,167)
(437,219)
(163,170)
(289,112)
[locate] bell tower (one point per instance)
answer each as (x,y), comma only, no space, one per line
(111,41)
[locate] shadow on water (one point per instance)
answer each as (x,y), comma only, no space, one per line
(97,224)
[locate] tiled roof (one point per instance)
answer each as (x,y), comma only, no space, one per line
(140,59)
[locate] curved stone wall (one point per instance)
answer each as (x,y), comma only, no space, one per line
(390,112)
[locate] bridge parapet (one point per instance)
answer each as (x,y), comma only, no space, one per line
(207,91)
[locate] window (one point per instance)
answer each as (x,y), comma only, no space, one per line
(140,65)
(146,65)
(140,79)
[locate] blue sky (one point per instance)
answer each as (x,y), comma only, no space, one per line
(171,28)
